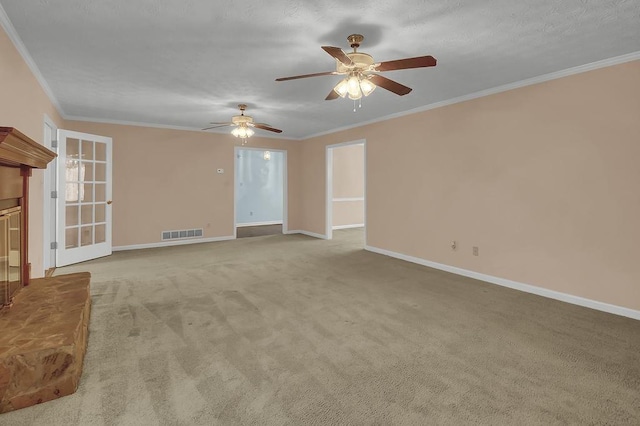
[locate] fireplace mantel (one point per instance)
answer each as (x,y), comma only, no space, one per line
(17,150)
(19,154)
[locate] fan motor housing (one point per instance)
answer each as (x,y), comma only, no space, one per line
(360,61)
(239,119)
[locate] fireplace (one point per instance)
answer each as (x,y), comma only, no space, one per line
(18,156)
(44,323)
(10,258)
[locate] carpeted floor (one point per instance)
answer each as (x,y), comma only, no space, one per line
(288,329)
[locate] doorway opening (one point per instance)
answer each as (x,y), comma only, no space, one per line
(346,190)
(260,192)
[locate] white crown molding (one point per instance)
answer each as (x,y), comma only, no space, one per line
(165,126)
(22,50)
(492,91)
(173,243)
(527,288)
(308,233)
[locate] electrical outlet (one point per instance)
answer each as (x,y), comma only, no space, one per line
(475,251)
(220,171)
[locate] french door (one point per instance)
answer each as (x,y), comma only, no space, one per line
(84,197)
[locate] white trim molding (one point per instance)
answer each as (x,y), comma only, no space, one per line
(354,225)
(173,243)
(527,288)
(338,200)
(5,22)
(307,233)
(271,222)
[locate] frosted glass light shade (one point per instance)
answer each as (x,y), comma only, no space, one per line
(353,87)
(242,132)
(367,86)
(341,88)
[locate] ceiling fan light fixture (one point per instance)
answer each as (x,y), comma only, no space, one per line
(341,88)
(353,87)
(367,87)
(242,131)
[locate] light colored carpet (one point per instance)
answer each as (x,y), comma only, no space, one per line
(288,329)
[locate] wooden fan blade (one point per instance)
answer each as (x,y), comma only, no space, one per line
(265,127)
(390,85)
(403,64)
(332,95)
(218,125)
(338,53)
(317,74)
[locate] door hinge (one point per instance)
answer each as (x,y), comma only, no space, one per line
(54,245)
(54,144)
(54,194)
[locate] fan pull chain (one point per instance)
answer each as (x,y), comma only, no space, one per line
(360,103)
(354,105)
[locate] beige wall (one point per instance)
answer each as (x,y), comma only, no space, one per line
(543,179)
(24,106)
(348,182)
(166,179)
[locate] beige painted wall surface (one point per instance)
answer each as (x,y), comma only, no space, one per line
(348,213)
(166,179)
(348,182)
(24,106)
(543,179)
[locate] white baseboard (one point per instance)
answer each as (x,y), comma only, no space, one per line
(173,243)
(564,297)
(273,222)
(354,225)
(310,234)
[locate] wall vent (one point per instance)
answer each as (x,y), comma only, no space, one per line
(182,234)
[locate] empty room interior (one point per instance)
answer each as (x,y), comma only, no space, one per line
(287,212)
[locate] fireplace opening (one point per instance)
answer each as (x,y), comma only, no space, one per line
(10,250)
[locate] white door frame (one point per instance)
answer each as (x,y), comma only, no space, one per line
(49,225)
(329,186)
(285,189)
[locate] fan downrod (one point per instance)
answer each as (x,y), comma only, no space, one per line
(355,40)
(242,107)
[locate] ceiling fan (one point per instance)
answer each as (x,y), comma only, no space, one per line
(243,125)
(360,70)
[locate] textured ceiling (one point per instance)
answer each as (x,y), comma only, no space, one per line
(188,62)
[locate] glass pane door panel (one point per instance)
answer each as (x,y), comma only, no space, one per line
(71,237)
(86,192)
(101,210)
(87,214)
(101,233)
(101,192)
(73,149)
(87,150)
(72,217)
(101,172)
(71,193)
(87,170)
(86,235)
(101,151)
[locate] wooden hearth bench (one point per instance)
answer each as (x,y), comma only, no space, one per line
(43,339)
